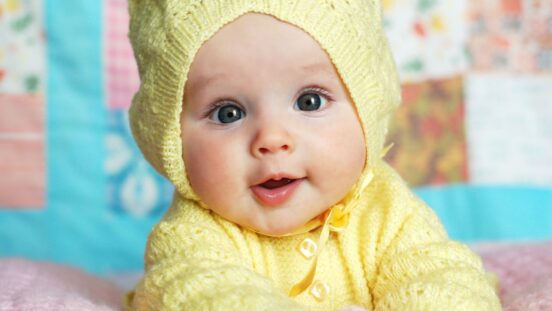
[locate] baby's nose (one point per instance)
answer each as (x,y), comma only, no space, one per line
(271,139)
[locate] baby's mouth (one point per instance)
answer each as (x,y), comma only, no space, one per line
(275,192)
(272,183)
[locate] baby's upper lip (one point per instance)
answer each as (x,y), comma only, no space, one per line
(275,176)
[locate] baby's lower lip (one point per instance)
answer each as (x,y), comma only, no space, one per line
(276,196)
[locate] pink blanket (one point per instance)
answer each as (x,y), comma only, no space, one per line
(524,272)
(27,285)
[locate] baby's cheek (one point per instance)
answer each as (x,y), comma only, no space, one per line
(355,144)
(197,157)
(343,155)
(212,170)
(345,143)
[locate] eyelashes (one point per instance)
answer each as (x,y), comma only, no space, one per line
(310,98)
(317,90)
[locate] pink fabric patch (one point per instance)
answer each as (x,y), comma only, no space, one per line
(21,113)
(41,286)
(524,272)
(22,151)
(122,72)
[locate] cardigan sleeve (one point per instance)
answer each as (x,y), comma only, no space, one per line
(421,269)
(193,265)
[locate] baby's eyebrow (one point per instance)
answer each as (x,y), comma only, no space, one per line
(318,68)
(203,81)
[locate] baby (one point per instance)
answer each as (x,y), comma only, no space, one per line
(269,117)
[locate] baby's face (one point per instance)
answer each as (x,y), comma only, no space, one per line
(270,136)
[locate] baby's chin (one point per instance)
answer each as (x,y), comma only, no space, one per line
(279,228)
(276,230)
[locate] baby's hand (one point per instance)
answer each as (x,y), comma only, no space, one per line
(353,308)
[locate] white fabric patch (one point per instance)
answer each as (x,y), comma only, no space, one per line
(22,47)
(428,38)
(509,129)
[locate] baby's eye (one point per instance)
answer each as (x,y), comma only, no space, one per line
(227,114)
(310,102)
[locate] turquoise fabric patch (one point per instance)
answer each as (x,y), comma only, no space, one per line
(76,226)
(476,213)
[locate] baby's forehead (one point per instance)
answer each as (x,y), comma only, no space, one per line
(228,58)
(258,41)
(228,72)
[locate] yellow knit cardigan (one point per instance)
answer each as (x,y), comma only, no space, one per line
(393,255)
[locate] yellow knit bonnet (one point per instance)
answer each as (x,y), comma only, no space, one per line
(166,35)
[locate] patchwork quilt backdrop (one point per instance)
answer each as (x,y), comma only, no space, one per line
(473,136)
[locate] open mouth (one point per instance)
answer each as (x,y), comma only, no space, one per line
(276,192)
(272,184)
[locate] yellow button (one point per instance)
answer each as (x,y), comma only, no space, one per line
(308,248)
(320,290)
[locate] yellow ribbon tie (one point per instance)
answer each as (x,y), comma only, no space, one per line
(307,280)
(386,149)
(335,219)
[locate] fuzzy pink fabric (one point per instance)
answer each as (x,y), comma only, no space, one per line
(524,272)
(38,286)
